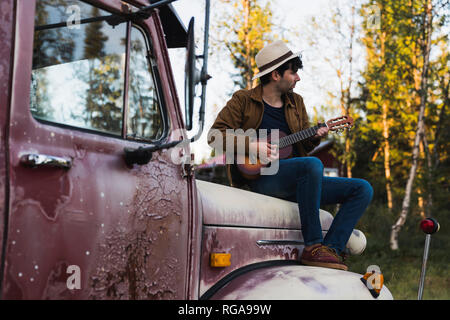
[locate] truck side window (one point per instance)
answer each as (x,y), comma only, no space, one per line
(145,120)
(78,68)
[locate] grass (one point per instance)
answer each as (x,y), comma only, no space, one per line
(401,268)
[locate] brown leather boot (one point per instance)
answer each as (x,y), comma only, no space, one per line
(322,256)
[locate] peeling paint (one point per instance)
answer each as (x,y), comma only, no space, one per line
(56,282)
(139,261)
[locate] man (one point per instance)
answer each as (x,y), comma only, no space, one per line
(273,105)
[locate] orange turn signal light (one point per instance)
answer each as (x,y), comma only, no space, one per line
(374,282)
(220,259)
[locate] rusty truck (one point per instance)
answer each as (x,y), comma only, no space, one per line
(93,204)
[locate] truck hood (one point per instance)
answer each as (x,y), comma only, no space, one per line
(229,206)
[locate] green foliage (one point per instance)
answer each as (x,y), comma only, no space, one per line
(394,55)
(244,30)
(401,269)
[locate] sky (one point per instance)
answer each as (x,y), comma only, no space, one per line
(292,15)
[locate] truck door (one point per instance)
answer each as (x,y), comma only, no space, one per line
(82,224)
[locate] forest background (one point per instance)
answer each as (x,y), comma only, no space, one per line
(386,64)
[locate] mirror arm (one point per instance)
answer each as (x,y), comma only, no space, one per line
(143,155)
(204,77)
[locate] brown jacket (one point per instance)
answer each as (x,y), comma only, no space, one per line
(245,111)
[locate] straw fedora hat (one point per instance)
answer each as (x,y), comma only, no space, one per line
(272,56)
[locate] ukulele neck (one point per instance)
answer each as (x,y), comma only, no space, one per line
(299,136)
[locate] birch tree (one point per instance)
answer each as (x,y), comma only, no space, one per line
(425,46)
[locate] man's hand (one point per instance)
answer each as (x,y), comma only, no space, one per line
(264,150)
(321,132)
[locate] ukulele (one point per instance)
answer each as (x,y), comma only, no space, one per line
(251,169)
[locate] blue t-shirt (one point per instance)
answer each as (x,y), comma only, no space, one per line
(274,118)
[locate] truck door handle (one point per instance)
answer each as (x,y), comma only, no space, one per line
(34,160)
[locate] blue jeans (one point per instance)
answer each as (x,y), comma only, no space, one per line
(301,180)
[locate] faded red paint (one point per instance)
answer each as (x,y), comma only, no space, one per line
(129,230)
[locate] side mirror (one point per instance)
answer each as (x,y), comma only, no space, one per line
(191,78)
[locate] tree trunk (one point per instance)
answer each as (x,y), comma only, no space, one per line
(420,191)
(420,129)
(386,146)
(421,205)
(387,153)
(412,173)
(249,74)
(349,90)
(348,152)
(429,177)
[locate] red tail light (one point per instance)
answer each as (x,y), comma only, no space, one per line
(429,225)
